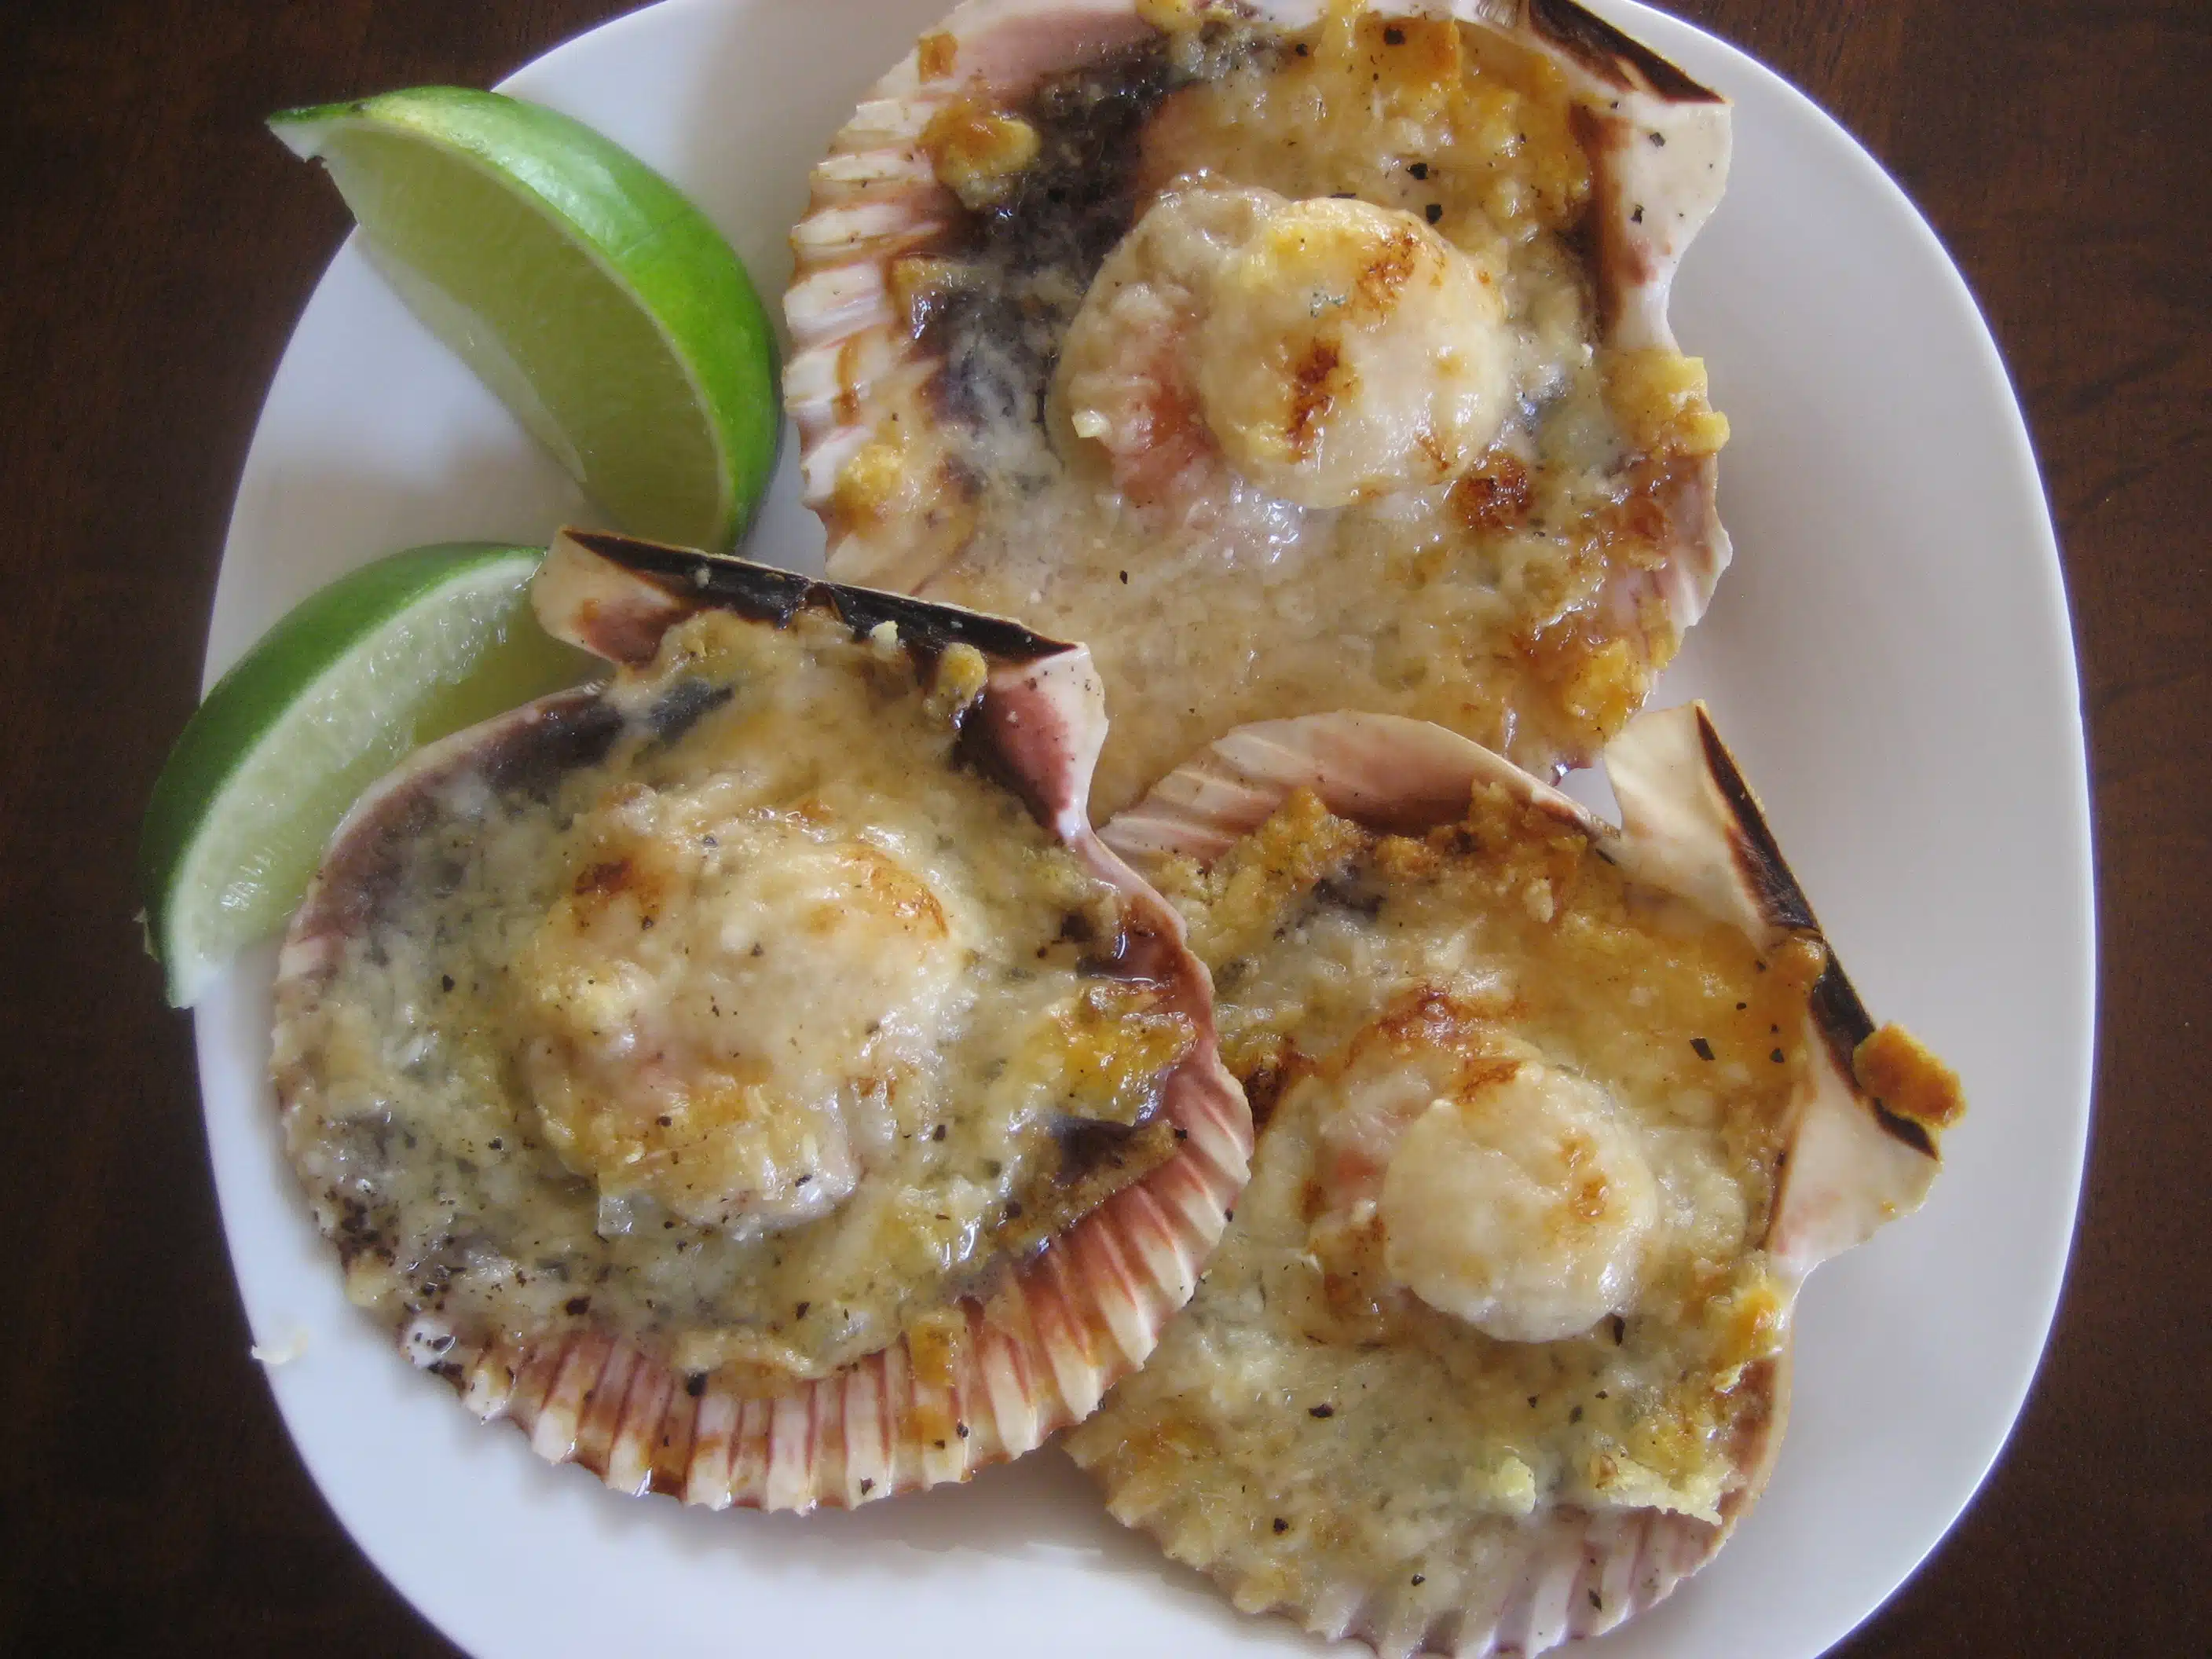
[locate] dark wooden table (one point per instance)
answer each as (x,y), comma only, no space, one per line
(156,247)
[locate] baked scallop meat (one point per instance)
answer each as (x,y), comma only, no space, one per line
(750,1075)
(1294,356)
(1556,1117)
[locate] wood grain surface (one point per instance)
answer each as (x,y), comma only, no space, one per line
(156,247)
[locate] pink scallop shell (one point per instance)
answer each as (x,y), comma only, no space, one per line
(875,198)
(1047,1338)
(1690,826)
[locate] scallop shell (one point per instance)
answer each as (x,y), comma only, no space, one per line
(1659,147)
(1043,1342)
(1690,826)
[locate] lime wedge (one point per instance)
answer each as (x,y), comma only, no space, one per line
(397,653)
(583,286)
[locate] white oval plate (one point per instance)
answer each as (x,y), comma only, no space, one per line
(1890,656)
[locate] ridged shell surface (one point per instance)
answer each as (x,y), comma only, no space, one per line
(1030,1349)
(866,384)
(1853,1162)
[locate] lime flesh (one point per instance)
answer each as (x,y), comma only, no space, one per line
(584,289)
(397,653)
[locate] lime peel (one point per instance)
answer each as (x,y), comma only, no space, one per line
(585,290)
(396,654)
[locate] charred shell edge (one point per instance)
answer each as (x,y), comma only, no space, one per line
(1604,51)
(1693,825)
(1049,1337)
(597,590)
(1660,142)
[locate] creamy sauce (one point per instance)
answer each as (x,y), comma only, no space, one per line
(1486,1028)
(754,1041)
(1467,543)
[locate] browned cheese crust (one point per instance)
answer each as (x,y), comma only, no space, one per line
(1309,523)
(1316,1433)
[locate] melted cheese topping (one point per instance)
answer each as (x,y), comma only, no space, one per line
(754,1041)
(1300,452)
(1500,1253)
(674,1061)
